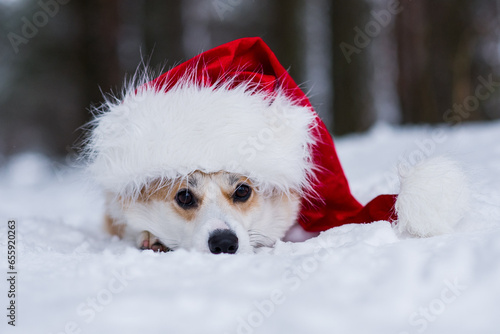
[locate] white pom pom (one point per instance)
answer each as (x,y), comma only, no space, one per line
(434,197)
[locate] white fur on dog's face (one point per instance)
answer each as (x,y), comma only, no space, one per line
(213,203)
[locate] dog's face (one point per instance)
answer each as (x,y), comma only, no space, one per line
(218,213)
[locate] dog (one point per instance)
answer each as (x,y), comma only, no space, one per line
(224,153)
(217,212)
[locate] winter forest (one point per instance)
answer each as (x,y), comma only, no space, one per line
(400,84)
(362,61)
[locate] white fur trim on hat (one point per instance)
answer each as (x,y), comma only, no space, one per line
(434,197)
(151,134)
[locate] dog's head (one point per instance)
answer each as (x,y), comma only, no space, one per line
(217,212)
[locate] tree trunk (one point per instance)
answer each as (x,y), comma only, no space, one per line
(162,22)
(435,59)
(98,52)
(285,36)
(352,102)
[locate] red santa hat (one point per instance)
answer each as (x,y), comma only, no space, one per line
(233,108)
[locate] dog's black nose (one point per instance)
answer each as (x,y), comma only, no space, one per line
(223,241)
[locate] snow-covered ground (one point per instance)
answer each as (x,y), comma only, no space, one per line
(72,278)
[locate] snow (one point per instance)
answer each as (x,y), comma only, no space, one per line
(73,278)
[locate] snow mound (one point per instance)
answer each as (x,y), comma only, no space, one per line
(367,278)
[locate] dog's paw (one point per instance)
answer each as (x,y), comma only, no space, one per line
(147,240)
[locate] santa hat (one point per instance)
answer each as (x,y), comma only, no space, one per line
(233,108)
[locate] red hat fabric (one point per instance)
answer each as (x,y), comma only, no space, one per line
(250,59)
(219,100)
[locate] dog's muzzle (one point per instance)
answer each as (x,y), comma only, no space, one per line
(223,241)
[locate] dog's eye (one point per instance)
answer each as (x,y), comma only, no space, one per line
(242,193)
(185,198)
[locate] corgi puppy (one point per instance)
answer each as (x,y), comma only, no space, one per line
(210,212)
(224,153)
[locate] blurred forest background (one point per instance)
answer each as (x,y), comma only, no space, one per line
(362,61)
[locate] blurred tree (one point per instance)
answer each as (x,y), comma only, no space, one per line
(84,48)
(285,35)
(70,55)
(316,51)
(42,104)
(162,32)
(352,103)
(438,68)
(98,32)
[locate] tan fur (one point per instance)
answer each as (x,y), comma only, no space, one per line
(260,220)
(113,228)
(161,191)
(167,191)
